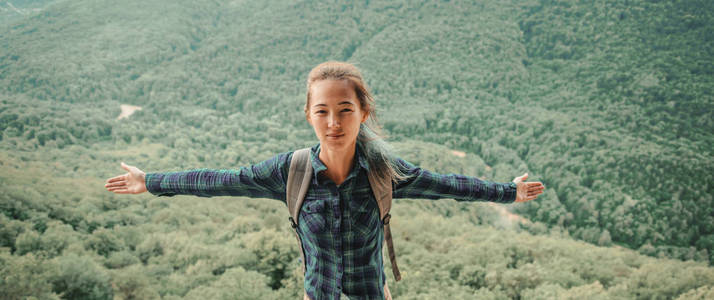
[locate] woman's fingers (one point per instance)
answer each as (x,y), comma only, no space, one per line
(116,178)
(122,190)
(534,193)
(115,184)
(117,187)
(535,189)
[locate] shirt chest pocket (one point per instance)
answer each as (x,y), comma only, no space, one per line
(365,216)
(312,215)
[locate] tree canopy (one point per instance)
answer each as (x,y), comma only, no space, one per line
(609,104)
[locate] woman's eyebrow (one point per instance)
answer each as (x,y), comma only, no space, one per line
(341,103)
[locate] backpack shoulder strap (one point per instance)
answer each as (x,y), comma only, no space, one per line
(299,176)
(382,189)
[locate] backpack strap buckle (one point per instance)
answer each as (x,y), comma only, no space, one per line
(385,220)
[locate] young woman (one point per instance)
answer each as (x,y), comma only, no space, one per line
(339,224)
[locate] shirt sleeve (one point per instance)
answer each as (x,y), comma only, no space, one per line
(422,183)
(263,180)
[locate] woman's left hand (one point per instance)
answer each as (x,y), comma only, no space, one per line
(527,191)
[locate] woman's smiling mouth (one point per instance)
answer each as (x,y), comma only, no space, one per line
(335,136)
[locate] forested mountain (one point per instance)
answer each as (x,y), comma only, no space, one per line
(609,103)
(13,10)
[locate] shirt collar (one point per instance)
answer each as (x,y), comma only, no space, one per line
(318,166)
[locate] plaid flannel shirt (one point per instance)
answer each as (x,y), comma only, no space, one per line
(339,226)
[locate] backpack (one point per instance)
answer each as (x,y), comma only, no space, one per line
(299,177)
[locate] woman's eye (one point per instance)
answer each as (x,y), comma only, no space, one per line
(346,109)
(320,112)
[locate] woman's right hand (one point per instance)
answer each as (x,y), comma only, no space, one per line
(130,183)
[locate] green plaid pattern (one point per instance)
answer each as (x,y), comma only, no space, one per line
(339,226)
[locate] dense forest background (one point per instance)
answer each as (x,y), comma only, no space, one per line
(608,103)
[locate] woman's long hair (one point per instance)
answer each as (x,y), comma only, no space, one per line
(380,155)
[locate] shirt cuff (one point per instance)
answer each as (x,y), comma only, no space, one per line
(510,190)
(153,184)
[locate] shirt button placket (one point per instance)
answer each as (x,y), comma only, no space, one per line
(336,230)
(336,209)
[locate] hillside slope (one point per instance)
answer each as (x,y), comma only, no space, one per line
(609,104)
(64,236)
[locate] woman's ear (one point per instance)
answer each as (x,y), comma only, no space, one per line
(365,115)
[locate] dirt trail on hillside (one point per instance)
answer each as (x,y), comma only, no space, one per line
(127,110)
(462,154)
(507,215)
(458,153)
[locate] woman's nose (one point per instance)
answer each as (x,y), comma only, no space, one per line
(334,121)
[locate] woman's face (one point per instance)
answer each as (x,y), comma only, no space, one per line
(335,113)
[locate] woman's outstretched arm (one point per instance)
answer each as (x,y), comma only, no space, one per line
(423,183)
(263,180)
